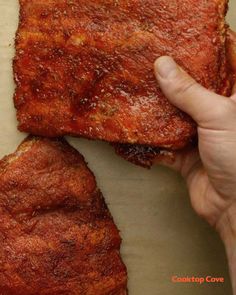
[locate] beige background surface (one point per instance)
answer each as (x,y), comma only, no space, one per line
(162,236)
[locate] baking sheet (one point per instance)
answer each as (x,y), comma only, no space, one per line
(162,236)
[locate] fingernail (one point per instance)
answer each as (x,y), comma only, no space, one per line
(166,67)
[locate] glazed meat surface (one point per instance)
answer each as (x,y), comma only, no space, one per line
(85,68)
(57,235)
(146,156)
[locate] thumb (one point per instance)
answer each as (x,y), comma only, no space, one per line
(205,107)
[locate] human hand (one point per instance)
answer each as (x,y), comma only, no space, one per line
(210,170)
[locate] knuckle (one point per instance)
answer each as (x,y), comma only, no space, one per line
(227,109)
(184,85)
(222,115)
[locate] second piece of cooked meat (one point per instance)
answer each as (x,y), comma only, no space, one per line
(85,68)
(57,236)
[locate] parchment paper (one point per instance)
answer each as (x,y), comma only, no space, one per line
(162,236)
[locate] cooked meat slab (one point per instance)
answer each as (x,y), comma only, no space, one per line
(85,67)
(57,236)
(146,156)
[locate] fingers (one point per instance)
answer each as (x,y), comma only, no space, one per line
(183,161)
(204,106)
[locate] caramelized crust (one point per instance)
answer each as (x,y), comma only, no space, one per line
(231,51)
(146,156)
(57,235)
(142,155)
(85,67)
